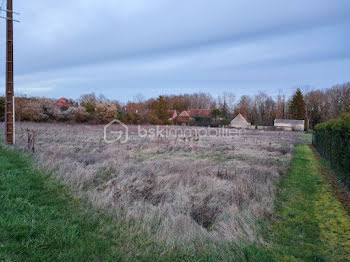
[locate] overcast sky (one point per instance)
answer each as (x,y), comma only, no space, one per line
(122,48)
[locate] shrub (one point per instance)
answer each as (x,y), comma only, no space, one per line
(152,120)
(201,121)
(81,115)
(106,112)
(332,140)
(63,115)
(35,109)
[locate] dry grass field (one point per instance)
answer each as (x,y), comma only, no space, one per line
(178,189)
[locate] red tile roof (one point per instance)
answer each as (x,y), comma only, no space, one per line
(200,113)
(184,117)
(62,102)
(172,114)
(185,114)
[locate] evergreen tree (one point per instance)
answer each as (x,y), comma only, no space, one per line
(297,106)
(224,110)
(161,109)
(215,113)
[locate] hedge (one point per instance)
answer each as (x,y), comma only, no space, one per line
(332,141)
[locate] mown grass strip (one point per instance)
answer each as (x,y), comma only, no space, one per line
(39,221)
(311,224)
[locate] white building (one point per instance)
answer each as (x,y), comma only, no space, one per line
(240,122)
(290,125)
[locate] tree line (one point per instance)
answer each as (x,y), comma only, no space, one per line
(261,109)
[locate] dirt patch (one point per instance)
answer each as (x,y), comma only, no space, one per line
(339,190)
(204,214)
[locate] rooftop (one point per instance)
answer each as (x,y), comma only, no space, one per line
(289,121)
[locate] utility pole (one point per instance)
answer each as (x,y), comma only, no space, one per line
(9,101)
(10,106)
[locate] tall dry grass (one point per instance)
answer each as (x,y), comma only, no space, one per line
(176,190)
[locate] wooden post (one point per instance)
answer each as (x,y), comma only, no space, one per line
(9,102)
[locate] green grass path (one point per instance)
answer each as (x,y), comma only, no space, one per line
(312,225)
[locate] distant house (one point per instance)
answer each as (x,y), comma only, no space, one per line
(240,122)
(196,115)
(183,118)
(172,115)
(289,124)
(200,113)
(200,117)
(62,102)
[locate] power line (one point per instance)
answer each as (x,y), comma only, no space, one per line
(6,18)
(2,4)
(8,11)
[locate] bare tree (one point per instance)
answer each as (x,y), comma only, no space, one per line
(339,99)
(281,112)
(227,99)
(88,101)
(139,98)
(317,107)
(244,106)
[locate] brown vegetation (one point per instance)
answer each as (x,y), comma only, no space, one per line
(261,109)
(177,188)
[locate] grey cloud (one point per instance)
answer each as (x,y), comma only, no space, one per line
(123,47)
